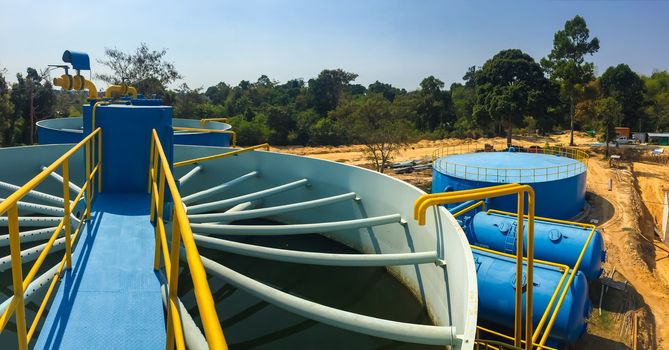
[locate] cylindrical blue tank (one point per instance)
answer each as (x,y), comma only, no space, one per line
(496,277)
(558,181)
(554,242)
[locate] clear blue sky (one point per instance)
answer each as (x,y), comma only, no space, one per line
(399,42)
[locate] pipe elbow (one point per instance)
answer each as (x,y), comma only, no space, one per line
(121,90)
(92,90)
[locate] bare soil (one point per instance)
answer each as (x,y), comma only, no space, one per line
(627,217)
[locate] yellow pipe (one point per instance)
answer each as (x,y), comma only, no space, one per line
(427,196)
(455,197)
(122,90)
(234,134)
(17,275)
(205,301)
(68,82)
(221,155)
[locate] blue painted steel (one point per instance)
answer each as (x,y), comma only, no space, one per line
(202,139)
(461,206)
(49,136)
(496,281)
(556,197)
(78,60)
(111,297)
(554,242)
(126,136)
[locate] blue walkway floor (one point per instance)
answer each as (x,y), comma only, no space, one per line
(111,297)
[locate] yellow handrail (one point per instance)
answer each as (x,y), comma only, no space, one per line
(160,176)
(425,201)
(221,155)
(9,205)
(234,134)
(204,121)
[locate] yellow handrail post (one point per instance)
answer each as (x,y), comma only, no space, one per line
(173,281)
(17,275)
(100,162)
(518,312)
(66,213)
(530,266)
(88,175)
(151,164)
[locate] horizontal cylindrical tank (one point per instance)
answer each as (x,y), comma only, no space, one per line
(556,242)
(496,276)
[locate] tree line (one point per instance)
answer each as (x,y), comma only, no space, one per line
(510,92)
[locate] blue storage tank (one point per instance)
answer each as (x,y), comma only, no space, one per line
(558,180)
(556,242)
(496,277)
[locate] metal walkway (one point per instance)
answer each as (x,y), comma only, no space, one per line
(111,297)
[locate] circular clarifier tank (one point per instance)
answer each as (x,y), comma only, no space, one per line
(557,175)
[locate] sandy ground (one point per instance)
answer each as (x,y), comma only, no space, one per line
(627,216)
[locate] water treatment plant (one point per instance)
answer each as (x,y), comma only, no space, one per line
(130,229)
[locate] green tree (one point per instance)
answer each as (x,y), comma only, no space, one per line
(566,62)
(435,109)
(281,122)
(187,101)
(621,83)
(145,69)
(374,122)
(509,87)
(6,109)
(657,97)
(388,91)
(325,91)
(608,112)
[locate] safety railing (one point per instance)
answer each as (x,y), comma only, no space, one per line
(9,206)
(428,200)
(160,180)
(221,155)
(523,175)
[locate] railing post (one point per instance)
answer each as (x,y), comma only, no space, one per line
(17,275)
(518,329)
(530,270)
(66,213)
(151,163)
(100,161)
(174,279)
(88,176)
